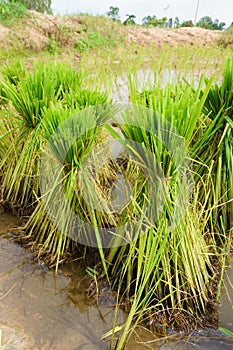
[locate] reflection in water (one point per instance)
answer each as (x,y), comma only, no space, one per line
(209,340)
(41,311)
(146,78)
(226,300)
(36,302)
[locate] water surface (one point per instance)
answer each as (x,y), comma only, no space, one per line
(42,311)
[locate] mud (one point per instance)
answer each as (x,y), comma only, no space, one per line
(41,311)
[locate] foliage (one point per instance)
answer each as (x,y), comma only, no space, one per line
(226,331)
(43,6)
(53,45)
(176,22)
(172,103)
(38,102)
(169,23)
(10,11)
(84,98)
(30,94)
(130,20)
(61,126)
(154,22)
(152,268)
(187,24)
(207,22)
(113,13)
(93,40)
(226,38)
(214,149)
(164,272)
(14,72)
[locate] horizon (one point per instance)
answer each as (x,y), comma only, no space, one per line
(184,10)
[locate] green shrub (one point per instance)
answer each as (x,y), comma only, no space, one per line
(11,11)
(93,40)
(14,73)
(53,45)
(82,45)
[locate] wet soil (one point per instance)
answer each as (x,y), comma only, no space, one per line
(41,311)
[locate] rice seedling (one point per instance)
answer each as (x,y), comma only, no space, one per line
(165,271)
(173,103)
(64,212)
(202,116)
(14,72)
(226,331)
(83,98)
(28,97)
(151,268)
(214,149)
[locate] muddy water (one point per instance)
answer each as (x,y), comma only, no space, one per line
(226,300)
(41,311)
(146,78)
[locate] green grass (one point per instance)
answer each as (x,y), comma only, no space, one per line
(27,96)
(94,40)
(214,149)
(226,39)
(54,223)
(172,224)
(226,331)
(11,12)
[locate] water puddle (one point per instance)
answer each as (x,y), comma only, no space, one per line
(226,300)
(197,342)
(146,78)
(41,311)
(7,221)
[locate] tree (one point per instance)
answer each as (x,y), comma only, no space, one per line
(153,21)
(43,6)
(113,13)
(149,20)
(130,20)
(170,23)
(187,24)
(207,23)
(162,22)
(176,22)
(218,25)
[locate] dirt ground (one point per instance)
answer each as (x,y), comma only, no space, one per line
(159,36)
(36,30)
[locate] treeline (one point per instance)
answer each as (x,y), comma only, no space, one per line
(164,22)
(43,6)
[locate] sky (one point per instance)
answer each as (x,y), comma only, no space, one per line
(184,9)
